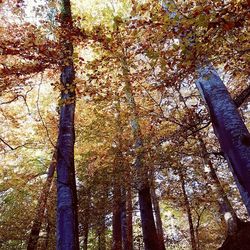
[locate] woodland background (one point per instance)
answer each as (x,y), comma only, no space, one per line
(135,67)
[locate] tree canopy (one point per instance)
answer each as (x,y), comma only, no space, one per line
(105,139)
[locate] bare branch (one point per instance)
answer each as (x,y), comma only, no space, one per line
(39,113)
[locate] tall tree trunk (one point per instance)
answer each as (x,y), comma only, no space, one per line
(116,220)
(67,221)
(129,219)
(156,206)
(117,183)
(148,225)
(229,128)
(124,225)
(101,231)
(189,213)
(230,216)
(42,202)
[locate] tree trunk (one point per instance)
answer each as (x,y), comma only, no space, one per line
(229,128)
(42,202)
(48,231)
(116,220)
(229,214)
(159,227)
(118,172)
(129,221)
(67,221)
(124,226)
(86,219)
(102,234)
(85,235)
(148,225)
(242,97)
(189,213)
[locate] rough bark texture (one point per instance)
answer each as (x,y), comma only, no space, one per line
(42,202)
(189,213)
(147,219)
(232,133)
(67,221)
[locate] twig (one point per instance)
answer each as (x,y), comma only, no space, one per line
(39,113)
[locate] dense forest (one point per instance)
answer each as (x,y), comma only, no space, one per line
(124,124)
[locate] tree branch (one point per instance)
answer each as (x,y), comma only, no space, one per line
(242,97)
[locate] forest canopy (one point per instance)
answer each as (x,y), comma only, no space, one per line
(124,124)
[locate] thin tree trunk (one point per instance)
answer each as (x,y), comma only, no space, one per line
(86,220)
(189,213)
(148,225)
(102,235)
(230,216)
(85,236)
(117,183)
(42,202)
(129,219)
(229,128)
(242,97)
(48,231)
(124,225)
(67,220)
(158,220)
(116,220)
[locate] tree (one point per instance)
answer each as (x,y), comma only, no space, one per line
(148,225)
(146,54)
(38,220)
(67,221)
(228,127)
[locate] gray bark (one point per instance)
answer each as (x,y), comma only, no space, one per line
(229,128)
(67,218)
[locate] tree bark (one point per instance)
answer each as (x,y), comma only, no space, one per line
(116,220)
(229,128)
(129,219)
(117,184)
(102,235)
(42,202)
(147,218)
(124,225)
(158,220)
(232,133)
(189,213)
(67,220)
(242,97)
